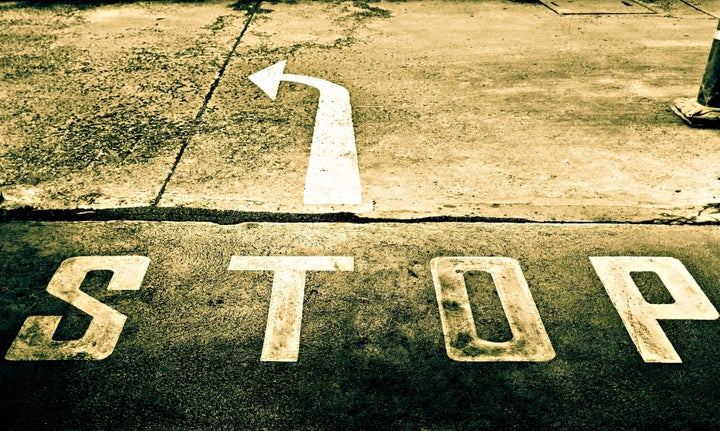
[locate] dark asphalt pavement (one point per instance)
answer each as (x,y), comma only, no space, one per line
(372,353)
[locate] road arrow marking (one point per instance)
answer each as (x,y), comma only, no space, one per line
(333,177)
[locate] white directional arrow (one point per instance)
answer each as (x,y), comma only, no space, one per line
(332,176)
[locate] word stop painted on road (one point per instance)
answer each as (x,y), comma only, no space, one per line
(529,341)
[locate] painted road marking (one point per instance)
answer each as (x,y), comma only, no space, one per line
(640,317)
(333,176)
(34,341)
(530,341)
(282,333)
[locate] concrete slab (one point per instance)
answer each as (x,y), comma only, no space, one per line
(675,8)
(95,102)
(710,7)
(593,7)
(485,108)
(372,353)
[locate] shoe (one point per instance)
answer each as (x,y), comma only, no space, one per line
(695,114)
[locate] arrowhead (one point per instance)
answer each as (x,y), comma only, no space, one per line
(269,78)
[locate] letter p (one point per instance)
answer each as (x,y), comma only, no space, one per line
(639,316)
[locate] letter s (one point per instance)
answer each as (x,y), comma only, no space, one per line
(34,341)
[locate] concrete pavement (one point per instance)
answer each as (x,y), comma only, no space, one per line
(97,101)
(494,108)
(170,193)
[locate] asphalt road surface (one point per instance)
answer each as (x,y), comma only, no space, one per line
(371,353)
(357,215)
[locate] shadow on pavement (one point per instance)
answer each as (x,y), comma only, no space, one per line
(87,4)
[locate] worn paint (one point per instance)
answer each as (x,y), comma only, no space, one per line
(282,333)
(333,176)
(34,341)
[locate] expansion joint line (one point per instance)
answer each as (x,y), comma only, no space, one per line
(698,9)
(206,101)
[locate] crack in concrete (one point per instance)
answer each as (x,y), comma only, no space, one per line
(251,14)
(230,217)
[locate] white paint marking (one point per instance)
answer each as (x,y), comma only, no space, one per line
(640,317)
(333,176)
(282,333)
(717,35)
(34,341)
(530,341)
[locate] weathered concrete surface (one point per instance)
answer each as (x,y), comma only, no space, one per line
(96,102)
(484,108)
(371,353)
(493,108)
(571,7)
(710,7)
